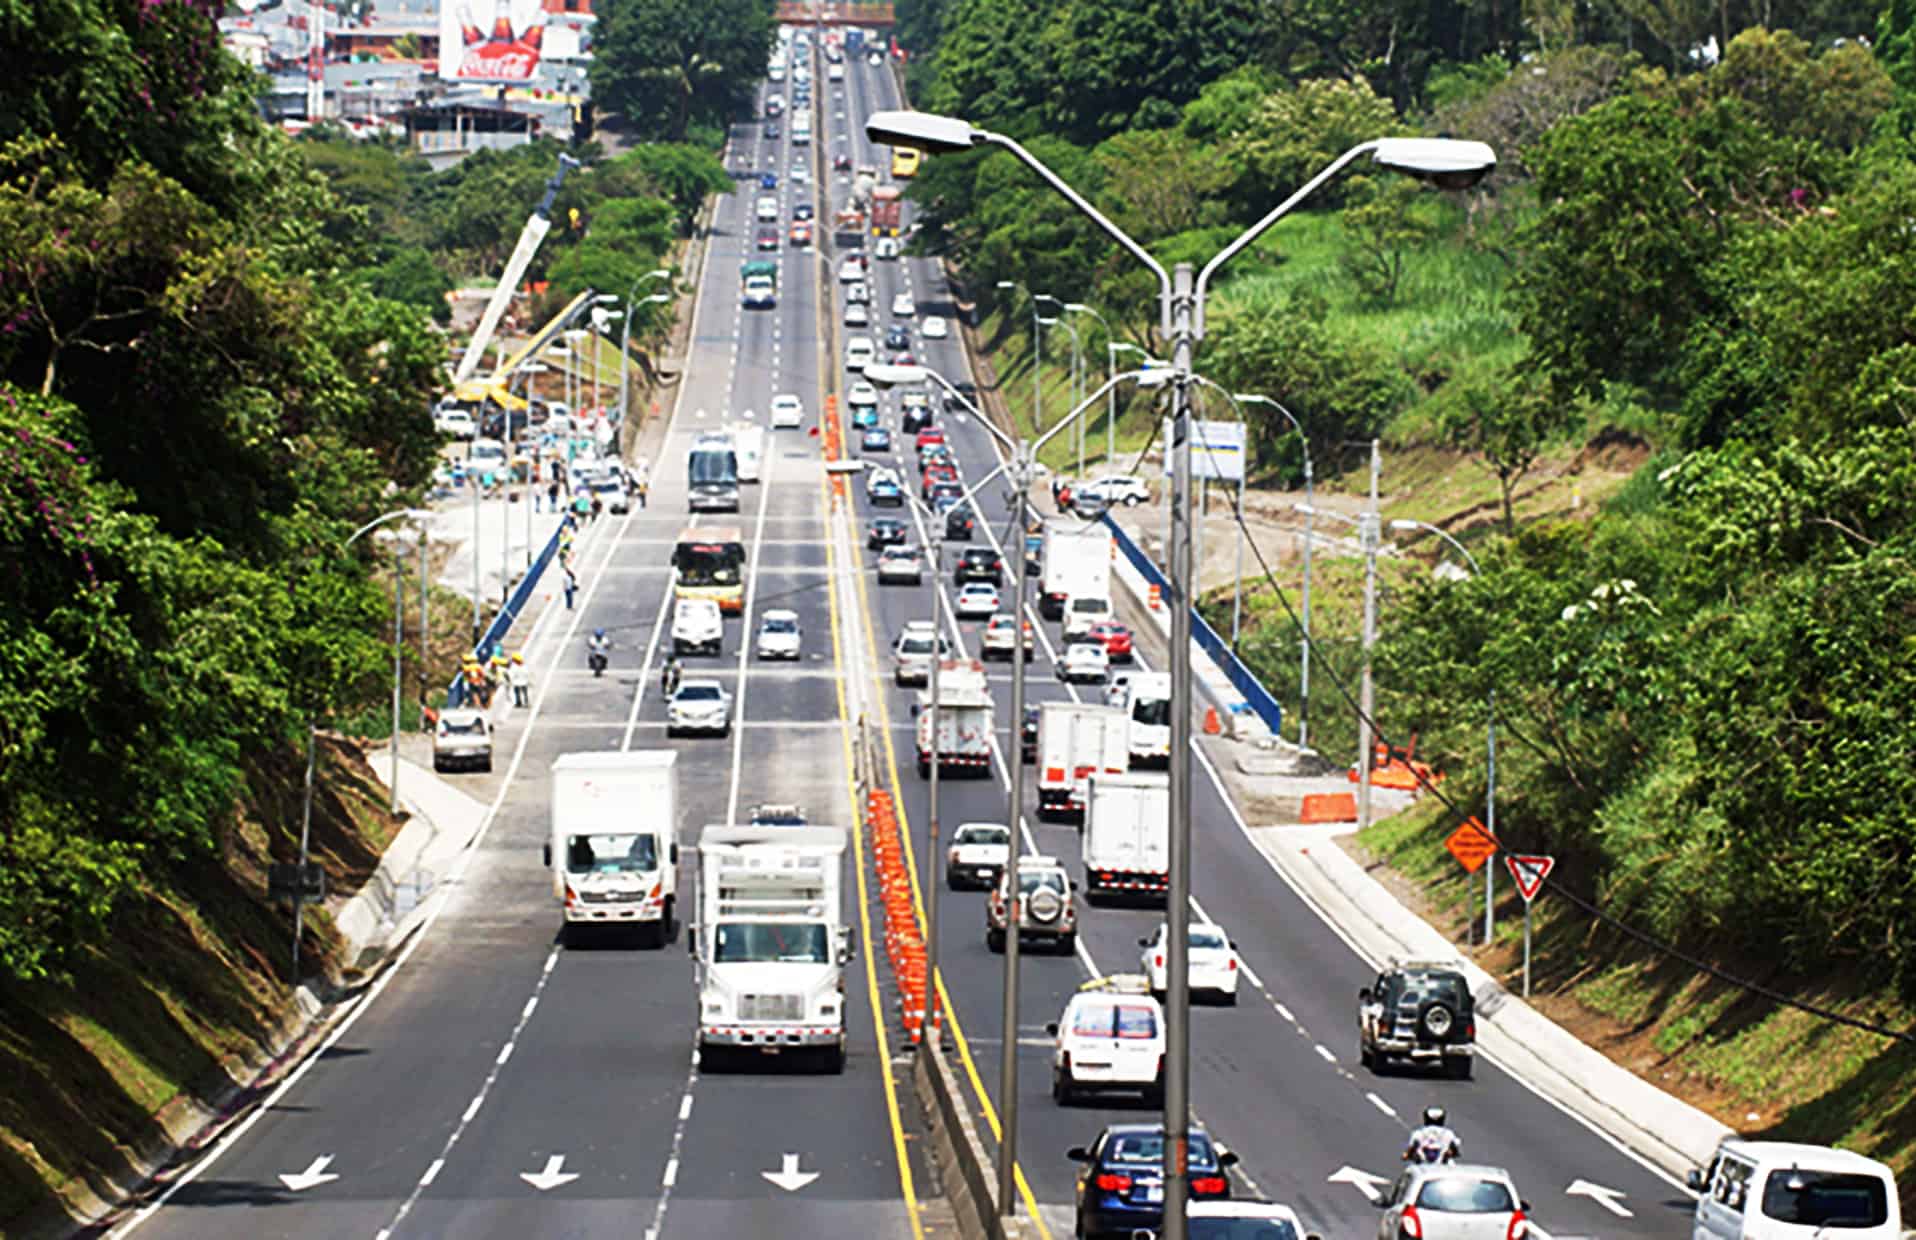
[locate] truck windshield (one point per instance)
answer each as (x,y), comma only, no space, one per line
(1829,1199)
(611,853)
(747,942)
(708,466)
(1152,712)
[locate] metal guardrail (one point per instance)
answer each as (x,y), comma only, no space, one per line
(502,622)
(1255,695)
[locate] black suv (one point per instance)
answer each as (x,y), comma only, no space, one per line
(1418,1011)
(978,564)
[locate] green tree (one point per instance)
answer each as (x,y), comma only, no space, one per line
(681,174)
(666,65)
(1506,419)
(1294,134)
(410,276)
(1164,183)
(1383,226)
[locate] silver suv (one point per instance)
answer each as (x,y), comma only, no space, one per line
(912,653)
(1048,907)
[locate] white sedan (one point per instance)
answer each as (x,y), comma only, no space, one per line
(1214,965)
(699,706)
(858,293)
(1084,661)
(934,328)
(977,600)
(779,635)
(788,412)
(861,393)
(903,307)
(851,269)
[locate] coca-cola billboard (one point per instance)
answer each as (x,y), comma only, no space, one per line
(490,40)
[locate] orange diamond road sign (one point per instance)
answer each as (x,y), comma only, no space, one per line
(1529,870)
(1471,845)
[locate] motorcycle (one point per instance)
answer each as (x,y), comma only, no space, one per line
(1430,1148)
(596,659)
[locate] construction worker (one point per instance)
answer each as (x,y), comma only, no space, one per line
(520,678)
(476,683)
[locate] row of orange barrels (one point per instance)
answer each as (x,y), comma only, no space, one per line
(904,938)
(834,442)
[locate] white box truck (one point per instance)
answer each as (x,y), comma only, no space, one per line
(771,944)
(1127,836)
(1075,741)
(614,851)
(1076,564)
(964,721)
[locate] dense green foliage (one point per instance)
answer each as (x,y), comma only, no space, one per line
(199,398)
(668,66)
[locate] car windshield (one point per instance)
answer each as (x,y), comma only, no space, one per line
(1151,712)
(1115,1020)
(1208,940)
(916,645)
(462,727)
(1456,1194)
(746,942)
(781,624)
(698,693)
(1420,989)
(611,853)
(984,835)
(1240,1229)
(1826,1199)
(1147,1149)
(1030,881)
(713,465)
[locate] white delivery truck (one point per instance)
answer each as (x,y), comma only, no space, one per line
(748,442)
(964,721)
(771,944)
(1147,704)
(1075,741)
(614,852)
(1076,564)
(1127,836)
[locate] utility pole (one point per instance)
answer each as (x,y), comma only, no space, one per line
(1365,743)
(1014,905)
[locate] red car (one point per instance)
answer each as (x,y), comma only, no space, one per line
(927,436)
(1116,639)
(801,233)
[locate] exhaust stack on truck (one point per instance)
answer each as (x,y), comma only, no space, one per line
(771,943)
(614,850)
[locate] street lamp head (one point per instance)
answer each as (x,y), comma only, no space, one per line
(1448,163)
(1007,284)
(656,299)
(658,273)
(1404,525)
(608,299)
(927,131)
(1078,307)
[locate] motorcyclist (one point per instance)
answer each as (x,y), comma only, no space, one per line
(1434,1142)
(673,670)
(596,648)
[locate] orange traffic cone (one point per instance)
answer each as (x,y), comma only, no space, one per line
(1157,598)
(1211,725)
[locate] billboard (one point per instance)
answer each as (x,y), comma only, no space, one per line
(1217,451)
(490,40)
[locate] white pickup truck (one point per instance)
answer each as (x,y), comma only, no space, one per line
(1075,741)
(614,850)
(1127,837)
(771,944)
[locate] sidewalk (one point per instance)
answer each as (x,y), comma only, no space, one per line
(1267,778)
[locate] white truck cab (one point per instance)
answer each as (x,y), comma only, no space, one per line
(771,943)
(614,850)
(1147,703)
(1780,1190)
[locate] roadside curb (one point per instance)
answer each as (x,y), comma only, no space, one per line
(1666,1134)
(441,824)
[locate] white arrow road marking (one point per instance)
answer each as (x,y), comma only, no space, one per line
(314,1175)
(791,1179)
(1605,1197)
(552,1177)
(1362,1180)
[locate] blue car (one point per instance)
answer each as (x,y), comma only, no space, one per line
(864,417)
(885,491)
(768,180)
(1121,1178)
(877,439)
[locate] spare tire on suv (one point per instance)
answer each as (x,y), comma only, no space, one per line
(1421,1012)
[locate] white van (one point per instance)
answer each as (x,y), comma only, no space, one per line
(1147,703)
(749,443)
(1777,1190)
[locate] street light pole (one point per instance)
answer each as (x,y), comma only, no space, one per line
(1181,319)
(1365,741)
(1490,733)
(1110,449)
(1037,351)
(625,336)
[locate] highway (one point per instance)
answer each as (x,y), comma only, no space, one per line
(1276,1077)
(499,1046)
(441,1105)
